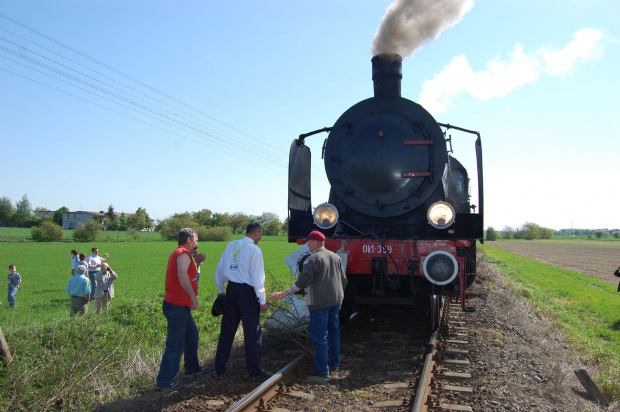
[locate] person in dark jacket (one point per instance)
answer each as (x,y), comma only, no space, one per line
(324,279)
(617,274)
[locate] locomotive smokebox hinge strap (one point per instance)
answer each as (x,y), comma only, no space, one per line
(416,174)
(418,142)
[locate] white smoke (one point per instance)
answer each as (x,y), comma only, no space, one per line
(502,76)
(408,24)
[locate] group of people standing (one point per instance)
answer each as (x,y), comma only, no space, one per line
(240,280)
(91,277)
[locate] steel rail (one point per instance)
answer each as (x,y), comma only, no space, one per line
(258,398)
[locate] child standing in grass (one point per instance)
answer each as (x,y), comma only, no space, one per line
(14,281)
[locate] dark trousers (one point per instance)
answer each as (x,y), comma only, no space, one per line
(241,305)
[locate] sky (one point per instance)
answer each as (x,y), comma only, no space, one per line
(185,105)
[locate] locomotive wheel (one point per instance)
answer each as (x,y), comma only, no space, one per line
(435,312)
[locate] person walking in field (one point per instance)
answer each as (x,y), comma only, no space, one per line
(179,302)
(78,288)
(14,281)
(324,280)
(617,274)
(105,287)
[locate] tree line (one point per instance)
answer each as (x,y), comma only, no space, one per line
(531,231)
(209,225)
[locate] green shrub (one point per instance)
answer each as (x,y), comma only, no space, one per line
(87,233)
(47,232)
(491,234)
(214,234)
(134,234)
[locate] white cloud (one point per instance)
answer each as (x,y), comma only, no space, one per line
(502,76)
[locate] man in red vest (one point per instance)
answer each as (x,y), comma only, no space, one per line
(180,299)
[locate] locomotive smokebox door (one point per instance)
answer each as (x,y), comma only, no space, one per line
(385,155)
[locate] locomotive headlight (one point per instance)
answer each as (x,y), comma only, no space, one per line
(326,215)
(440,215)
(440,267)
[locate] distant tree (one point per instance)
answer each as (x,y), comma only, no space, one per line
(491,234)
(170,227)
(110,213)
(6,210)
(88,232)
(47,232)
(616,234)
(203,217)
(508,232)
(272,228)
(23,211)
(220,219)
(138,220)
(121,222)
(238,221)
(267,217)
(598,233)
(57,218)
(285,225)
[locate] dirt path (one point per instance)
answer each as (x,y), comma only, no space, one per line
(598,259)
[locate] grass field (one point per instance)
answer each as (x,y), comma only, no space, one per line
(586,308)
(75,363)
(20,234)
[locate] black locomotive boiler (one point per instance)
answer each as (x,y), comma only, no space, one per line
(399,210)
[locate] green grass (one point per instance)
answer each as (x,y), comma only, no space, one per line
(587,309)
(73,364)
(20,234)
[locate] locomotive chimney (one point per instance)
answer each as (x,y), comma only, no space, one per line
(387,71)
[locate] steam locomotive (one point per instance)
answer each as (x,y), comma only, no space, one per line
(399,211)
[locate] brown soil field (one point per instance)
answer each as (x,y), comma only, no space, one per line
(598,259)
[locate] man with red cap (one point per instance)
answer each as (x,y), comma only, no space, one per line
(324,280)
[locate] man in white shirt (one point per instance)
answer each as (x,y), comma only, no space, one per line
(94,263)
(241,265)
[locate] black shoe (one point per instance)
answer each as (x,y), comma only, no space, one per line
(201,371)
(262,373)
(218,377)
(319,375)
(170,388)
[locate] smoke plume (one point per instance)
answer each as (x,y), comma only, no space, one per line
(408,24)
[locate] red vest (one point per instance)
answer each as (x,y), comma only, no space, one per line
(175,293)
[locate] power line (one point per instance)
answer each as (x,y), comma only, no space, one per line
(235,141)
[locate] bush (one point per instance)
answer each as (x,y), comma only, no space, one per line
(491,234)
(169,228)
(214,234)
(134,234)
(272,228)
(47,232)
(87,233)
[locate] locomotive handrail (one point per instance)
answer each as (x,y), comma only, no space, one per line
(302,137)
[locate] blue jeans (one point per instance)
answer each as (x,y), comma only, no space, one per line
(325,334)
(12,291)
(93,282)
(182,339)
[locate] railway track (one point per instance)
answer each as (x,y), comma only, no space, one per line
(436,378)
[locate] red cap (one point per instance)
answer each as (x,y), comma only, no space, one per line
(316,235)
